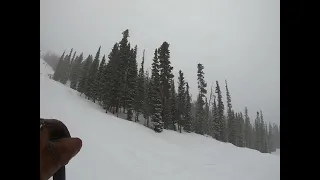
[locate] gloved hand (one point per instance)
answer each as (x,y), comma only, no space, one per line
(56,153)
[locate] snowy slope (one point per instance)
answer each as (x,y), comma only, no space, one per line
(116,149)
(45,68)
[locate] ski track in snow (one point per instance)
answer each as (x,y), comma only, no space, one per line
(117,149)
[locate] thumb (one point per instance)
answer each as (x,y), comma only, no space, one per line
(66,149)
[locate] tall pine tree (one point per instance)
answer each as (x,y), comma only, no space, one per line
(110,81)
(122,71)
(173,107)
(57,74)
(156,105)
(165,79)
(220,122)
(140,90)
(147,106)
(215,128)
(232,125)
(187,113)
(84,76)
(181,99)
(100,79)
(75,72)
(92,83)
(257,125)
(247,129)
(65,68)
(200,112)
(131,81)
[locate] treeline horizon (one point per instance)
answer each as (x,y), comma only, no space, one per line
(116,84)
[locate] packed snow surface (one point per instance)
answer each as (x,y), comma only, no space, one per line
(116,149)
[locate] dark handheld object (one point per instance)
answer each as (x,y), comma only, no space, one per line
(57,130)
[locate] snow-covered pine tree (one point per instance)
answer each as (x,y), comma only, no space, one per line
(181,100)
(187,112)
(270,139)
(57,73)
(232,125)
(140,91)
(92,83)
(156,105)
(121,82)
(263,135)
(75,72)
(240,130)
(257,123)
(131,81)
(215,124)
(110,83)
(276,136)
(84,75)
(173,107)
(205,124)
(247,129)
(220,115)
(65,68)
(200,112)
(147,99)
(100,79)
(165,79)
(70,65)
(210,113)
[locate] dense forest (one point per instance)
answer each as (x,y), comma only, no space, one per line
(117,84)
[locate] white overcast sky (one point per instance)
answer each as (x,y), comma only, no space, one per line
(235,40)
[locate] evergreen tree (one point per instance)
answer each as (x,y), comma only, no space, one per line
(215,128)
(257,124)
(156,105)
(57,74)
(200,113)
(111,83)
(181,99)
(210,113)
(100,79)
(84,76)
(232,125)
(263,135)
(131,81)
(92,83)
(220,123)
(147,99)
(205,125)
(70,65)
(240,130)
(165,78)
(65,68)
(270,138)
(276,136)
(173,108)
(75,71)
(122,71)
(187,112)
(140,91)
(247,128)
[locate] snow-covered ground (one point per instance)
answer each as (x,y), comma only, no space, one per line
(277,152)
(117,149)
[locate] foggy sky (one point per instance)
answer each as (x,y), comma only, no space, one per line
(235,40)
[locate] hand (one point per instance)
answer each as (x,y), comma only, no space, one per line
(58,153)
